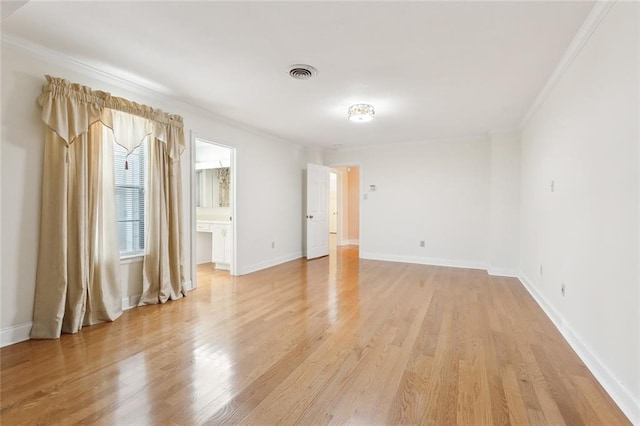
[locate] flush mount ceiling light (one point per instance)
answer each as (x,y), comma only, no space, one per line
(361,113)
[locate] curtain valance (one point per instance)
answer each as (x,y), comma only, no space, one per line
(69,109)
(78,281)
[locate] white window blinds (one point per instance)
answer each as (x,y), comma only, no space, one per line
(130,188)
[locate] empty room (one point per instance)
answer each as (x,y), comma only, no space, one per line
(309,212)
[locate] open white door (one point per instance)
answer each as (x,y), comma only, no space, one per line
(317,211)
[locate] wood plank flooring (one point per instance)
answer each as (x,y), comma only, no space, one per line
(331,341)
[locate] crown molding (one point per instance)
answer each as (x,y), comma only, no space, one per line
(69,62)
(591,23)
(66,61)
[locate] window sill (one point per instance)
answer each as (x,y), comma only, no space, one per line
(132,258)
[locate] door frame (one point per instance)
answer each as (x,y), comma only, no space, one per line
(361,226)
(192,205)
(337,174)
(339,205)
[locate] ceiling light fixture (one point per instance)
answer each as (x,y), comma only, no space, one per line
(361,113)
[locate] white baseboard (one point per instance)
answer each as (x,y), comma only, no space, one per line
(268,263)
(423,260)
(618,392)
(503,272)
(15,334)
(130,302)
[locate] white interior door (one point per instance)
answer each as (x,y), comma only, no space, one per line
(317,211)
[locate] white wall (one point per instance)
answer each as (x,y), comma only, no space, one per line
(504,219)
(437,191)
(585,234)
(269,174)
(22,138)
(269,203)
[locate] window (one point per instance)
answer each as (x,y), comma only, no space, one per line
(129,174)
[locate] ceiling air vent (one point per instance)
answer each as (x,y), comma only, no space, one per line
(302,72)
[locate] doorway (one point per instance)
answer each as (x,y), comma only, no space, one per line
(213,206)
(332,209)
(344,205)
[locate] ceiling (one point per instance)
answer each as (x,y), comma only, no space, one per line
(431,69)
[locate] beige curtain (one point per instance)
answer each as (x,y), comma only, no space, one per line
(163,277)
(78,276)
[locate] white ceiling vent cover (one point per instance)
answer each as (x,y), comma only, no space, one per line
(302,71)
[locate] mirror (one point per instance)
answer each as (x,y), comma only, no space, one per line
(212,187)
(204,188)
(212,179)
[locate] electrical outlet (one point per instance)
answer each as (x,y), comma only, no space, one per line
(540,270)
(421,243)
(273,244)
(562,289)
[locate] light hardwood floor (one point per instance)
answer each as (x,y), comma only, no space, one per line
(334,340)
